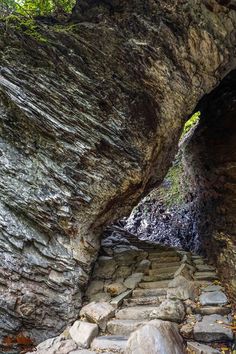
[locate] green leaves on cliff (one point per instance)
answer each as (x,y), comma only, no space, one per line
(34,8)
(193,120)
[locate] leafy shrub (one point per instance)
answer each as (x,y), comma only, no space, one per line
(34,8)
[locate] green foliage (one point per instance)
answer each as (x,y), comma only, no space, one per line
(33,8)
(172,195)
(191,123)
(24,25)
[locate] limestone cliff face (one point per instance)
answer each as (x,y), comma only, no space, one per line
(90,118)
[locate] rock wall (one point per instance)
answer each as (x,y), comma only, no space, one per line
(91,113)
(210,164)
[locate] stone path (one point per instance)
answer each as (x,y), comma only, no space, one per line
(147,298)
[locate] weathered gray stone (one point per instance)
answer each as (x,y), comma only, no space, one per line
(169,310)
(212,288)
(156,337)
(151,300)
(187,289)
(99,313)
(132,281)
(213,328)
(149,292)
(135,313)
(154,284)
(115,344)
(163,270)
(158,277)
(205,268)
(213,298)
(83,333)
(205,276)
(123,327)
(198,348)
(156,261)
(211,310)
(55,345)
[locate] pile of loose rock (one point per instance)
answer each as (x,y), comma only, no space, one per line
(147,298)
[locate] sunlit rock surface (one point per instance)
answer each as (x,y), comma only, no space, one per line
(90,116)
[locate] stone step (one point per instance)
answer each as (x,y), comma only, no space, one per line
(160,266)
(198,261)
(162,271)
(205,268)
(123,327)
(205,276)
(198,348)
(149,292)
(211,310)
(167,259)
(157,277)
(213,298)
(151,300)
(164,255)
(114,344)
(213,328)
(135,313)
(154,284)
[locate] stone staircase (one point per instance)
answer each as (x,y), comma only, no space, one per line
(137,285)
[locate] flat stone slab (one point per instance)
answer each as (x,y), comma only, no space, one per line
(213,298)
(212,310)
(161,259)
(213,328)
(160,266)
(198,348)
(158,277)
(135,313)
(162,254)
(123,327)
(115,344)
(149,292)
(163,270)
(147,300)
(198,261)
(205,276)
(205,268)
(212,288)
(154,284)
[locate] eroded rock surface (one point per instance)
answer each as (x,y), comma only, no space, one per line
(90,115)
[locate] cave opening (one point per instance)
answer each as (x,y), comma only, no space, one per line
(194,207)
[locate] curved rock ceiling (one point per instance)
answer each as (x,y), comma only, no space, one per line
(90,117)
